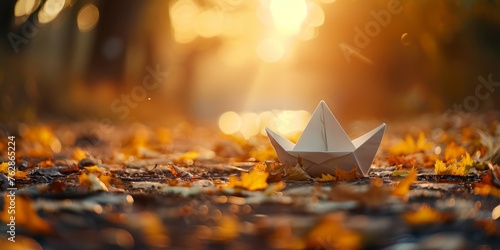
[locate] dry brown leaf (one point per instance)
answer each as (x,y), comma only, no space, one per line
(295,173)
(341,175)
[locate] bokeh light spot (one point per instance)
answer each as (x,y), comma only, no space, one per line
(229,122)
(87,18)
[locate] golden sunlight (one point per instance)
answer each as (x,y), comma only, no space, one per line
(288,15)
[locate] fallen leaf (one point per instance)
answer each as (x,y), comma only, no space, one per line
(178,172)
(460,168)
(21,243)
(254,180)
(325,178)
(487,186)
(188,157)
(488,225)
(402,161)
(92,181)
(153,229)
(375,195)
(331,233)
(295,173)
(79,154)
(227,228)
(401,190)
(341,175)
(25,215)
(453,152)
(274,169)
(4,169)
(424,215)
(264,153)
(46,164)
(94,170)
(274,187)
(410,146)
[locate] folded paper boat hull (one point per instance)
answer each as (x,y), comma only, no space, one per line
(330,147)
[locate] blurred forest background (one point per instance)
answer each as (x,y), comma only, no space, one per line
(80,59)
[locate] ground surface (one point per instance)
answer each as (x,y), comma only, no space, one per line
(97,186)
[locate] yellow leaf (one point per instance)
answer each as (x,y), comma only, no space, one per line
(40,141)
(92,181)
(94,170)
(191,155)
(424,215)
(460,168)
(254,180)
(325,178)
(404,186)
(263,153)
(261,166)
(409,146)
(466,161)
(274,187)
(228,228)
(453,151)
(25,215)
(79,154)
(422,144)
(4,168)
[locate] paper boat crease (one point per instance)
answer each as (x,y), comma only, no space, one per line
(325,146)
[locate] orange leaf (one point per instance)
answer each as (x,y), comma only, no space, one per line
(46,164)
(424,215)
(404,186)
(4,168)
(228,228)
(342,175)
(486,186)
(22,210)
(331,233)
(254,180)
(79,154)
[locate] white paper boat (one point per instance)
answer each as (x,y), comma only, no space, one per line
(324,146)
